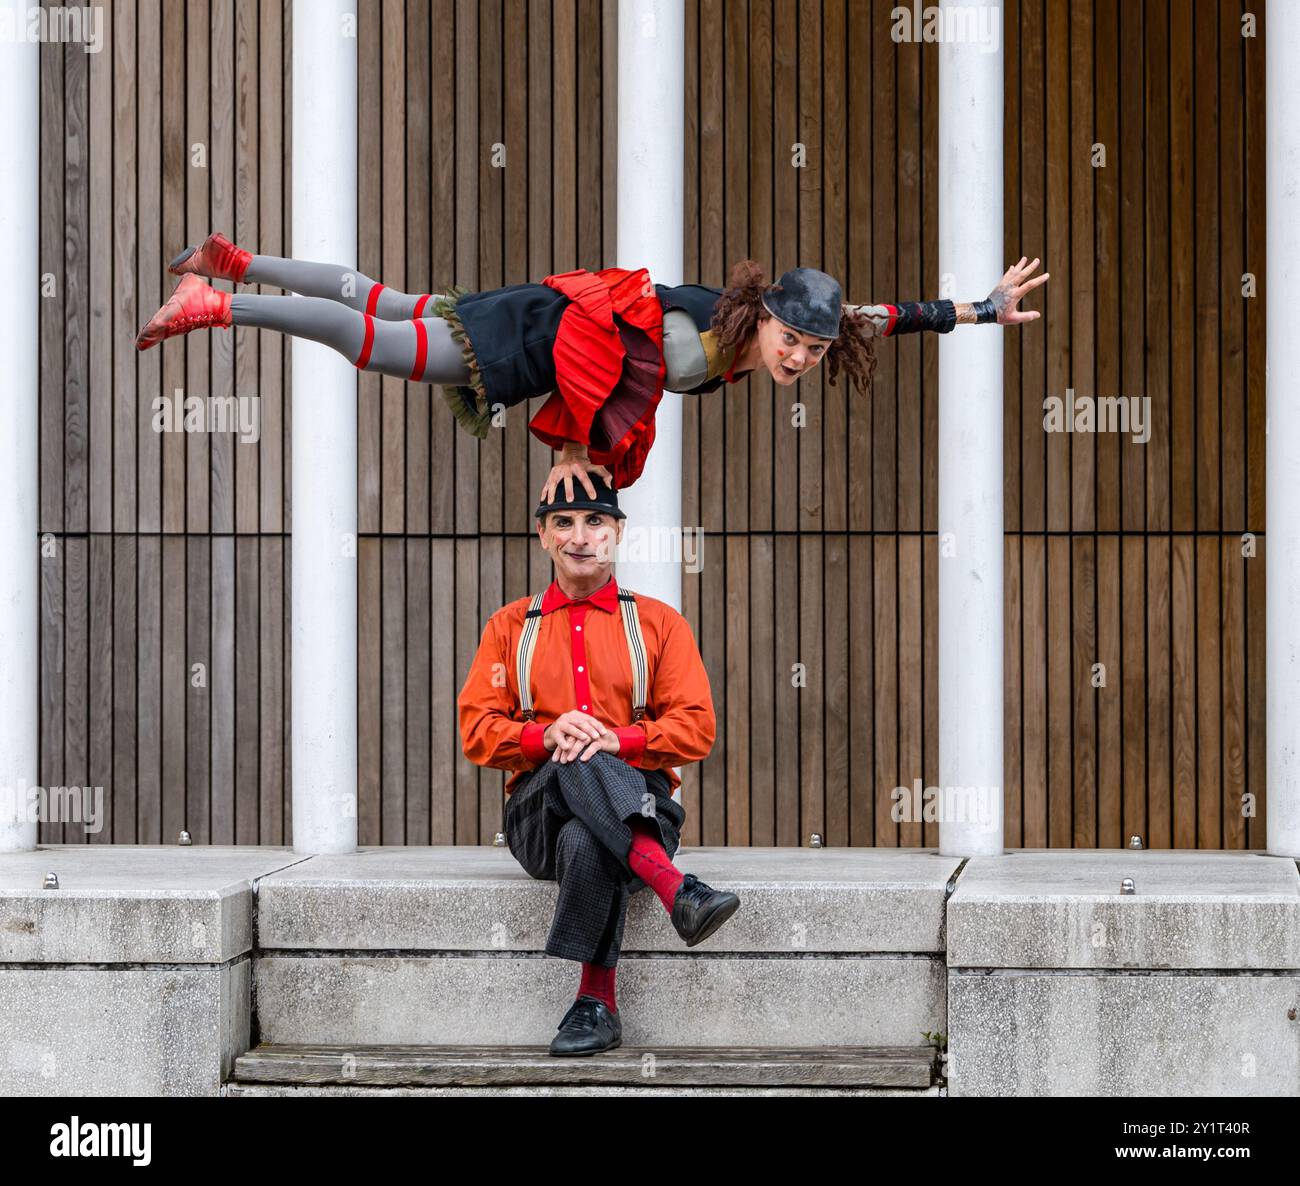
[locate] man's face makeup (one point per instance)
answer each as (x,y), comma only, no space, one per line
(581,542)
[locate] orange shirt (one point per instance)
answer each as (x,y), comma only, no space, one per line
(581,662)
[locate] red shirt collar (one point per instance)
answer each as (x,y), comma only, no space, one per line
(606,597)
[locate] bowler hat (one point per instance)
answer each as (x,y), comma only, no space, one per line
(808,301)
(606,499)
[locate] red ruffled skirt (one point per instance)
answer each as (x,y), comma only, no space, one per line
(609,369)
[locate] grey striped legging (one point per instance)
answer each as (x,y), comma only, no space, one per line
(372,326)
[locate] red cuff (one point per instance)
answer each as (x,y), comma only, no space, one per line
(530,741)
(631,743)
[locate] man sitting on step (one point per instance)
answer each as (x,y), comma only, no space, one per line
(591,694)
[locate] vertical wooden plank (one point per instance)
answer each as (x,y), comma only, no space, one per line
(714,262)
(1083,615)
(811,390)
(198,699)
(1182,281)
(99,763)
(1209,697)
(1013,699)
(392,215)
(1034,442)
(491,596)
(175,696)
(442,248)
(1109,699)
(1256,699)
(838,692)
(736,754)
(1106,306)
(541,213)
(763,725)
(736,399)
(491,224)
(469,630)
(1252,49)
(393,692)
(272,710)
(195,488)
(247,685)
(223,446)
(76,674)
(371,178)
(418,784)
(885,570)
(76,279)
(911,286)
(861,709)
(100,291)
(1058,147)
(125,673)
(274,123)
(1157,348)
(1133,602)
(1013,121)
(609,134)
(1060,724)
(1133,142)
(763,160)
(787,252)
(858,282)
(175,235)
(587,116)
(712,639)
(221,690)
(788,696)
(149,704)
(53,255)
(53,560)
(1182,593)
(1231,230)
(468,146)
(929,267)
(1159,693)
(151,224)
(1035,772)
(370,665)
(247,348)
(812,695)
(446,675)
(1233,715)
(1083,245)
(516,498)
(910,832)
(1208,291)
(418,233)
(127,172)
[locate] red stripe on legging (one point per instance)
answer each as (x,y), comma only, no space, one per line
(372,300)
(364,357)
(419,305)
(421,350)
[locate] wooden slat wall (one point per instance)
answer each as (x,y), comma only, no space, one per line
(816,607)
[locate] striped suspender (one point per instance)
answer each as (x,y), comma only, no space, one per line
(635,650)
(524,655)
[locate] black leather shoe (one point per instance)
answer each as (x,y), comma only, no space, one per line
(588,1028)
(699,909)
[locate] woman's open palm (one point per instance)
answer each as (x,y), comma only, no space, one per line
(1011,288)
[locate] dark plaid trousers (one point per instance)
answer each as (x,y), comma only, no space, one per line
(567,822)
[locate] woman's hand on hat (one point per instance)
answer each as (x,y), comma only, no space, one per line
(1013,285)
(574,463)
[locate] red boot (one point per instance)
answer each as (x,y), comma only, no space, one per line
(218,259)
(194,305)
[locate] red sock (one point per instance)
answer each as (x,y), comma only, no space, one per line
(648,860)
(598,982)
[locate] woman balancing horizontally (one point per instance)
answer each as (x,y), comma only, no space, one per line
(606,344)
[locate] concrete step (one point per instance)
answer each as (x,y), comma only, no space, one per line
(378,1068)
(830,947)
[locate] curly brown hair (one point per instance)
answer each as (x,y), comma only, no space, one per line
(740,309)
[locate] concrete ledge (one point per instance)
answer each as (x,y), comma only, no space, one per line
(131,903)
(1061,908)
(142,1031)
(1123,1034)
(259,1090)
(512,1000)
(464,898)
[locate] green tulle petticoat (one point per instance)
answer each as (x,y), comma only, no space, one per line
(468,404)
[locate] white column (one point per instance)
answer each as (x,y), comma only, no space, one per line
(1282,442)
(651,119)
(19,347)
(970,450)
(324,587)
